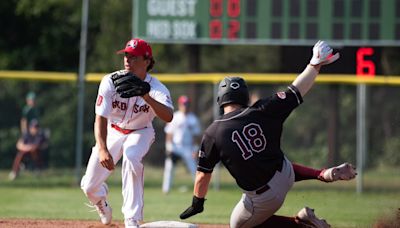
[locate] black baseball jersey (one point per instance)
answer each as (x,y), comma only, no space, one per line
(248,141)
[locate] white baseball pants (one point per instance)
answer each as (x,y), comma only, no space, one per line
(253,209)
(132,148)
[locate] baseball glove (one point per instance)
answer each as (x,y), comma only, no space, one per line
(129,85)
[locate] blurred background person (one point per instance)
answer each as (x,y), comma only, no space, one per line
(181,141)
(29,112)
(30,143)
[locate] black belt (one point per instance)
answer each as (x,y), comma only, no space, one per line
(262,189)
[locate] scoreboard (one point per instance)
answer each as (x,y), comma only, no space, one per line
(272,22)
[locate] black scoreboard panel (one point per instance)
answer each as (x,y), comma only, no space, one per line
(353,60)
(280,22)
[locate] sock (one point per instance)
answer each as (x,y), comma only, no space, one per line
(305,173)
(279,221)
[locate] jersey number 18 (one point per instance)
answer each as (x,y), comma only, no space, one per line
(251,139)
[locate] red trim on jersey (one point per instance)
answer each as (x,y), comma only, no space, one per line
(99,100)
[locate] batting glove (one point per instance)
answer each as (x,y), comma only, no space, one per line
(196,207)
(322,54)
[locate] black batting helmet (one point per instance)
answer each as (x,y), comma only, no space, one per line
(233,90)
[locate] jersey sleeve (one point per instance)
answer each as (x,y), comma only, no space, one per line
(162,95)
(281,104)
(171,126)
(208,155)
(104,97)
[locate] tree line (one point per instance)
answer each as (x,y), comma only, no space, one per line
(44,35)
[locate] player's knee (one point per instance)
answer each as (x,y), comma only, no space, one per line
(87,188)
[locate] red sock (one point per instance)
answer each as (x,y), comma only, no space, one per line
(305,173)
(279,221)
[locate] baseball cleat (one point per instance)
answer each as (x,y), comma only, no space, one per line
(306,218)
(131,223)
(104,210)
(345,171)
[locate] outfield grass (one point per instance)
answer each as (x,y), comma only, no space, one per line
(54,195)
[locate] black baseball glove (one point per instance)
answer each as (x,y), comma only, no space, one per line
(129,85)
(195,208)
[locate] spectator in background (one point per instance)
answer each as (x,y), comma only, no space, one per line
(31,143)
(29,112)
(182,138)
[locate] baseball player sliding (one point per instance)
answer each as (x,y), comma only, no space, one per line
(181,141)
(127,102)
(247,140)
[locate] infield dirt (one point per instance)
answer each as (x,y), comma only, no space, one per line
(36,223)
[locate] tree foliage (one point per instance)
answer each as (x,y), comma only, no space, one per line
(44,35)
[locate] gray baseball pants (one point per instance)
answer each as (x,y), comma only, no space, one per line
(253,209)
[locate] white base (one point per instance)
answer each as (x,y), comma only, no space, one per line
(166,224)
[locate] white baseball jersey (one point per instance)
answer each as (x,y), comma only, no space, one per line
(183,128)
(130,113)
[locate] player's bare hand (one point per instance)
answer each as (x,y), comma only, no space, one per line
(322,54)
(106,159)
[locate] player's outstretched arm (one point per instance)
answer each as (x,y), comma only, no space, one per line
(322,55)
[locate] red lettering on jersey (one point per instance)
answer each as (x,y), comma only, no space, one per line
(281,95)
(99,100)
(143,108)
(115,104)
(121,105)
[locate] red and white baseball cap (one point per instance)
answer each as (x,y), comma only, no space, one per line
(137,47)
(183,99)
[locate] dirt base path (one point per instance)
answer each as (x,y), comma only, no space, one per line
(38,223)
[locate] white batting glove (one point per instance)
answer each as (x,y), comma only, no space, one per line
(322,54)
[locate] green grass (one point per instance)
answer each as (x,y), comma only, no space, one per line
(54,195)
